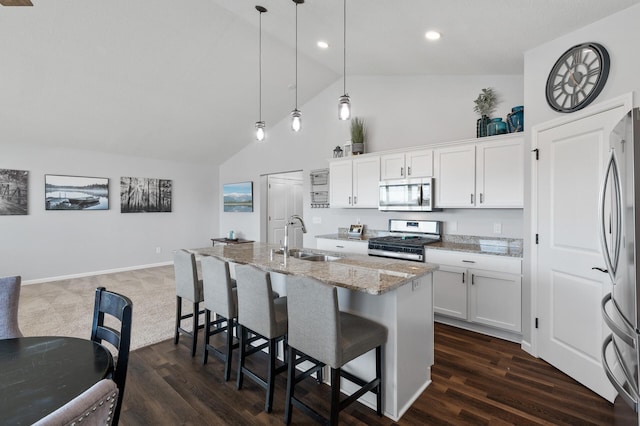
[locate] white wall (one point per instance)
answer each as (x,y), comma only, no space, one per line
(400,112)
(46,244)
(618,33)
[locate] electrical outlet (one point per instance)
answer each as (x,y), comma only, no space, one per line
(497,228)
(158,250)
(317,219)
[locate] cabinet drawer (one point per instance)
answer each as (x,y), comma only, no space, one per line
(342,246)
(510,265)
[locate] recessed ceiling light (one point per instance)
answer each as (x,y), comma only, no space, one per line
(432,35)
(323,44)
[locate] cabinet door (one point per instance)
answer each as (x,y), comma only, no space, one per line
(455,173)
(342,246)
(392,166)
(450,291)
(419,163)
(340,183)
(366,177)
(500,173)
(495,299)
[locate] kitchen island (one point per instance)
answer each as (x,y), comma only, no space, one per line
(396,293)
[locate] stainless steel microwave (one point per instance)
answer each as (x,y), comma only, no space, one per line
(406,195)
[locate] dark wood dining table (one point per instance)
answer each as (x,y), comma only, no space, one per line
(40,374)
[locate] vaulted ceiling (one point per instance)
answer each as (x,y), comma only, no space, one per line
(179,79)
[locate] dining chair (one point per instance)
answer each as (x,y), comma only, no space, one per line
(319,332)
(188,287)
(262,315)
(119,308)
(95,406)
(9,298)
(221,300)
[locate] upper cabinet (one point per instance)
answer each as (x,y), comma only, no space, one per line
(354,182)
(486,174)
(407,165)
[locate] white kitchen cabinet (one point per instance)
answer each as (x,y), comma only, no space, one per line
(486,174)
(412,164)
(478,288)
(354,183)
(342,246)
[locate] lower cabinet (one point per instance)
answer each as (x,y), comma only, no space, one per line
(478,288)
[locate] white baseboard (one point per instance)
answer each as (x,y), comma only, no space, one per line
(90,274)
(479,328)
(526,346)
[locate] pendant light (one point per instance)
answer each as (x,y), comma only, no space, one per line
(296,115)
(260,135)
(344,103)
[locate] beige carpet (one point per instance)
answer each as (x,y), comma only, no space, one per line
(65,308)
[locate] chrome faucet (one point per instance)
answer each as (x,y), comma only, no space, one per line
(291,221)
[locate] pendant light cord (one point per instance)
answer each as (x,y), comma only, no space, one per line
(296,55)
(260,72)
(344,46)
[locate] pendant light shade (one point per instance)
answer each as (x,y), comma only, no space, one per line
(344,103)
(260,125)
(296,115)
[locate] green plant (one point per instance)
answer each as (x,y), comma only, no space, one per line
(358,133)
(486,102)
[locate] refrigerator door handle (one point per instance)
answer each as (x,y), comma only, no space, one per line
(626,333)
(610,169)
(631,398)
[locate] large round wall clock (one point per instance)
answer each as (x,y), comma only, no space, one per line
(578,77)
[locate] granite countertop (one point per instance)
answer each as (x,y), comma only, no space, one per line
(373,275)
(511,247)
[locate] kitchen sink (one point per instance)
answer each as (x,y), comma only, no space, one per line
(309,255)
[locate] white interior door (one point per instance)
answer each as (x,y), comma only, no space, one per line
(284,198)
(570,167)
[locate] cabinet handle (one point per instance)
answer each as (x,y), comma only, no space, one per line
(409,170)
(472,279)
(355,200)
(463,278)
(468,261)
(481,198)
(401,171)
(349,200)
(471,198)
(339,246)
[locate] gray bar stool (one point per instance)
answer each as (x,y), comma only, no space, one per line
(221,297)
(262,315)
(320,333)
(189,287)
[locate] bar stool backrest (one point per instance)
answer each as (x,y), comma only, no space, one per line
(255,300)
(184,265)
(314,319)
(217,286)
(9,298)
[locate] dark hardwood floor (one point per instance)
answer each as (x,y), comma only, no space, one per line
(476,380)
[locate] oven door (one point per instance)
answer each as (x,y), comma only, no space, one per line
(404,195)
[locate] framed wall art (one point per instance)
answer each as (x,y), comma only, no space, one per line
(76,193)
(145,195)
(14,198)
(238,197)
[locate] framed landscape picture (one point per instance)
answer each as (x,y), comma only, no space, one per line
(145,195)
(76,193)
(238,197)
(13,192)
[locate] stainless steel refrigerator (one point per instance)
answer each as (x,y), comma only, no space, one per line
(619,218)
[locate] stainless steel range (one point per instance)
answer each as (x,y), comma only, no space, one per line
(406,240)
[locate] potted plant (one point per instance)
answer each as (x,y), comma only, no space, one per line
(486,104)
(358,135)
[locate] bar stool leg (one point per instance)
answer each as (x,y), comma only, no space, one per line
(291,383)
(335,396)
(379,376)
(271,375)
(176,337)
(196,316)
(243,336)
(207,329)
(227,362)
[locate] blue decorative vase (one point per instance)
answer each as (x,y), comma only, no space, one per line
(515,119)
(496,127)
(481,126)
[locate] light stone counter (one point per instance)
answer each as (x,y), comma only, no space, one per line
(373,275)
(395,293)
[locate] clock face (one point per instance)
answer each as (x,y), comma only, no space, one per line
(578,77)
